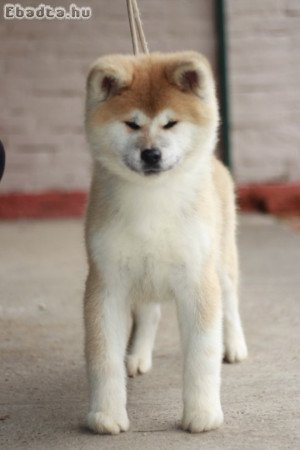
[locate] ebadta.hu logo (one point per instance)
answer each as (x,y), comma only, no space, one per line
(42,11)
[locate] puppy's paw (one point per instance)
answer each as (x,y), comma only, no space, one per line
(196,421)
(103,423)
(235,349)
(138,364)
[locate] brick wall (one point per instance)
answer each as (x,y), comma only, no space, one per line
(44,64)
(42,81)
(264,49)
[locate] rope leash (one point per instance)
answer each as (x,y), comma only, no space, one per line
(136,28)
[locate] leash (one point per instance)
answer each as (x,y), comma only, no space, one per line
(136,28)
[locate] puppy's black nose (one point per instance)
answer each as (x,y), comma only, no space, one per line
(151,156)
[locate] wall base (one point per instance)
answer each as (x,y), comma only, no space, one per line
(277,199)
(47,205)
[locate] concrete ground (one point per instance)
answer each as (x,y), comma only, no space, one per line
(43,392)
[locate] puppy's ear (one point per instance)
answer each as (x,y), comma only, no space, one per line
(107,77)
(191,72)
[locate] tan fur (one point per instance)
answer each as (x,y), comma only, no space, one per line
(210,292)
(94,343)
(147,86)
(152,238)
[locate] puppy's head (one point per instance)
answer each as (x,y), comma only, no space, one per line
(151,114)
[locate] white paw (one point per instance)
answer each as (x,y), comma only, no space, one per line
(235,349)
(138,364)
(200,420)
(103,423)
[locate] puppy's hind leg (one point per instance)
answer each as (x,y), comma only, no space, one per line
(146,318)
(235,348)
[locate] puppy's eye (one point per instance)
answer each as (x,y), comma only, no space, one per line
(132,125)
(170,124)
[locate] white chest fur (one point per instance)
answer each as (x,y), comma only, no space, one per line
(155,240)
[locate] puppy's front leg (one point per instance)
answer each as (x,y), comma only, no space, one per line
(199,310)
(106,315)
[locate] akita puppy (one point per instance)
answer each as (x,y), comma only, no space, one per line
(160,224)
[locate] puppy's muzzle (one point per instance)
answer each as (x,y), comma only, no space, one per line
(151,158)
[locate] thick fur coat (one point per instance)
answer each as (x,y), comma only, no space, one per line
(160,225)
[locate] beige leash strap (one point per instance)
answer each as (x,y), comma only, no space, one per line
(136,28)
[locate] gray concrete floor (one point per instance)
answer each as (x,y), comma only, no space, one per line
(43,393)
